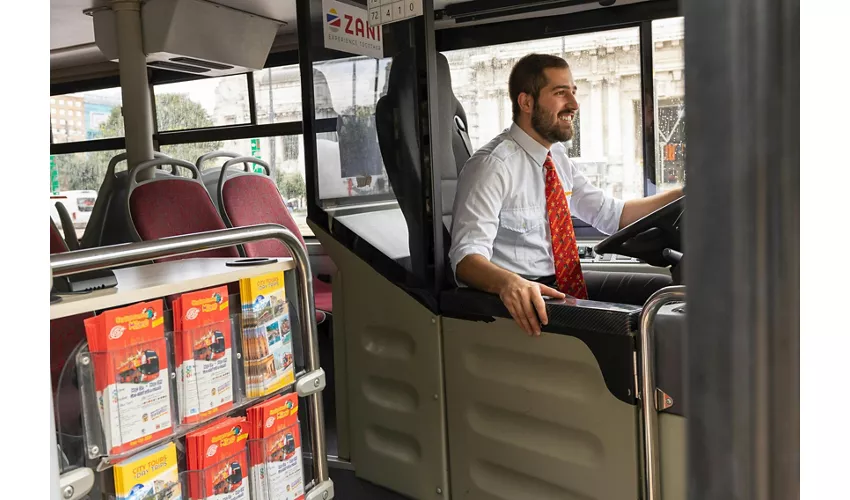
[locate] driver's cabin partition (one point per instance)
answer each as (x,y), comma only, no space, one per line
(438,393)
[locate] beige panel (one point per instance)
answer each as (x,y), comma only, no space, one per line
(393,378)
(672,435)
(531,418)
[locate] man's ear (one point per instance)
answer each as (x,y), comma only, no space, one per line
(526,102)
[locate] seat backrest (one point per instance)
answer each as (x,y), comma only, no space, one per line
(67,226)
(107,223)
(397,135)
(209,176)
(57,244)
(171,206)
(247,198)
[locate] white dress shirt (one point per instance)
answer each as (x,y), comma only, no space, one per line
(500,207)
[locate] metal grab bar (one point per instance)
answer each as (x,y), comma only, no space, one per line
(130,253)
(647,386)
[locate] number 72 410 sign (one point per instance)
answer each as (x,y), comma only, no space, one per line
(390,11)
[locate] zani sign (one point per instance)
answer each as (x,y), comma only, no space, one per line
(346,28)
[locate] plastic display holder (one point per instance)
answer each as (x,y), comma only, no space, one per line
(128,399)
(227,477)
(277,467)
(267,354)
(207,382)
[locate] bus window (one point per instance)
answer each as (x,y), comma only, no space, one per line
(608,145)
(350,162)
(284,154)
(277,94)
(208,102)
(80,176)
(668,40)
(87,115)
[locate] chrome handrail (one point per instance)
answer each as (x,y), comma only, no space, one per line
(130,253)
(647,386)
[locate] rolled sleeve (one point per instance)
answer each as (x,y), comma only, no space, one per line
(592,205)
(481,189)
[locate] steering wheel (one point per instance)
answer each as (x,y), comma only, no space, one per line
(655,239)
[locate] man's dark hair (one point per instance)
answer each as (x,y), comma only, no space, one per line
(528,76)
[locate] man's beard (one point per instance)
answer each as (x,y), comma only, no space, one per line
(548,126)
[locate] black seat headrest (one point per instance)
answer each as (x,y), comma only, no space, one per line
(399,143)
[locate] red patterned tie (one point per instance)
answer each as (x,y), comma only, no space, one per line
(564,247)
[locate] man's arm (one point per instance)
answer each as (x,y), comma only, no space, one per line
(522,298)
(482,186)
(635,209)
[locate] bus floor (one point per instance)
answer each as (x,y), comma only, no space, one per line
(347,486)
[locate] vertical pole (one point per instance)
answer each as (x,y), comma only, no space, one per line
(742,240)
(429,109)
(647,87)
(135,91)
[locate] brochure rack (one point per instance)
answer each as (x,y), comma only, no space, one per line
(228,477)
(207,384)
(276,466)
(144,373)
(158,281)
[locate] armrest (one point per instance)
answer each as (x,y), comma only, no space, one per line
(609,330)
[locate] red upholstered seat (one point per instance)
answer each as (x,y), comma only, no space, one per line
(254,199)
(172,207)
(67,332)
(57,244)
(251,199)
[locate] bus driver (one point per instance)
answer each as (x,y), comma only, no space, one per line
(512,232)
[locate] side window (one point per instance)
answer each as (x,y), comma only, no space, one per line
(284,154)
(75,179)
(608,145)
(668,40)
(350,162)
(97,116)
(208,102)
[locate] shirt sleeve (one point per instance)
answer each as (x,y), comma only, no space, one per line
(481,188)
(592,205)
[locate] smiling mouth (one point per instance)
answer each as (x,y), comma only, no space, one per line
(565,118)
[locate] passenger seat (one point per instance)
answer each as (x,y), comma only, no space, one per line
(247,198)
(172,206)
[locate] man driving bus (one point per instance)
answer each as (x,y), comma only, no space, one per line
(518,191)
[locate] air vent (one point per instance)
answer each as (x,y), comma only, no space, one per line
(201,63)
(177,67)
(229,41)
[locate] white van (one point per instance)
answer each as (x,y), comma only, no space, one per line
(79,204)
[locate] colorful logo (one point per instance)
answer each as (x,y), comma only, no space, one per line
(149,313)
(333,20)
(116,332)
(217,297)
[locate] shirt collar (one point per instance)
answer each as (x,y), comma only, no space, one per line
(536,150)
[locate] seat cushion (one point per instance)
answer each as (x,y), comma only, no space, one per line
(173,207)
(254,199)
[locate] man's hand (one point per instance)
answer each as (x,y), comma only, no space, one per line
(524,300)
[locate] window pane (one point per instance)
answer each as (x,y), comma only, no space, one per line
(99,112)
(278,89)
(80,176)
(285,156)
(202,103)
(349,160)
(668,36)
(607,146)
